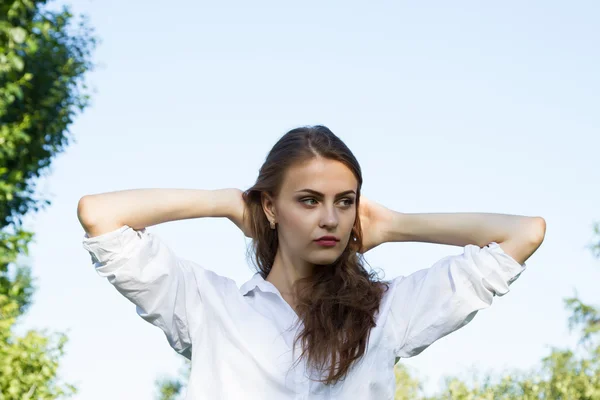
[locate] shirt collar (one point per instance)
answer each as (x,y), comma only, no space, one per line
(257,281)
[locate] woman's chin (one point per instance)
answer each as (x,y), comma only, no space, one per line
(325,260)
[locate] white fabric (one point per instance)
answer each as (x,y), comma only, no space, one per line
(239,339)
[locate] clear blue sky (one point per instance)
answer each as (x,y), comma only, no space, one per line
(449,107)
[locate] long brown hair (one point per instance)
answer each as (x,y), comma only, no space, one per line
(338,302)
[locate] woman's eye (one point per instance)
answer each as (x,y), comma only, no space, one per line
(348,202)
(305,200)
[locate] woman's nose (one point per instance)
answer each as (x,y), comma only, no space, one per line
(329,217)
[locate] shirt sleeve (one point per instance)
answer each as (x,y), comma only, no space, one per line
(169,292)
(433,302)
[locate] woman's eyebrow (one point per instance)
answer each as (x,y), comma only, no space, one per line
(322,195)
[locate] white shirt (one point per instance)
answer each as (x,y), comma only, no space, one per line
(239,341)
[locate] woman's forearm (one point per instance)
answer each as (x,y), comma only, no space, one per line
(460,229)
(139,208)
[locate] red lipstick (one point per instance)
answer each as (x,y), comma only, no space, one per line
(327,241)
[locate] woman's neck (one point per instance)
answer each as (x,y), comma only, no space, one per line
(284,273)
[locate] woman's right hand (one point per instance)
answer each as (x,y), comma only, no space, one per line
(239,213)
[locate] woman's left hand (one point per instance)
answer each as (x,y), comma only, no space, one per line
(374,220)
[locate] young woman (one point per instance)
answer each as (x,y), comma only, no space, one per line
(312,323)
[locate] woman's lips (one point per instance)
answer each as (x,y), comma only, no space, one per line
(326,242)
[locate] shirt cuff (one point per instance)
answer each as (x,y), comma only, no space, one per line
(108,246)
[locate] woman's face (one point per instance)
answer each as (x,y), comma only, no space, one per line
(317,198)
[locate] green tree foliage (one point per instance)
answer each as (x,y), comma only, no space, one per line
(562,375)
(169,389)
(408,387)
(43,58)
(173,388)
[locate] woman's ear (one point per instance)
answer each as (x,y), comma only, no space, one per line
(268,206)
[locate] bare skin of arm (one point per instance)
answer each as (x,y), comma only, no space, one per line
(519,236)
(140,208)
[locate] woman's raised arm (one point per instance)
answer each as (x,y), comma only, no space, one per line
(171,293)
(140,208)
